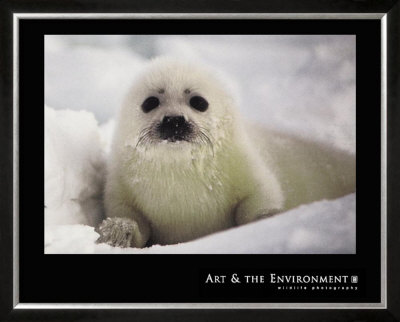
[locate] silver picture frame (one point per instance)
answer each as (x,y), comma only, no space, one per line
(16,310)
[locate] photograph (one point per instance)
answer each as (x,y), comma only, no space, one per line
(200,144)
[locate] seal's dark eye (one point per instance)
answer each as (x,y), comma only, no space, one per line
(199,103)
(150,103)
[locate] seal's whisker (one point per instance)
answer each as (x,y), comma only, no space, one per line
(144,134)
(205,139)
(206,132)
(142,139)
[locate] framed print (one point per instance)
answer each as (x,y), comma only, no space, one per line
(174,163)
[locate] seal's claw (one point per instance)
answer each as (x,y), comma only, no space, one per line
(117,232)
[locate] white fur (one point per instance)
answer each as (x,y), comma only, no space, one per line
(174,192)
(181,190)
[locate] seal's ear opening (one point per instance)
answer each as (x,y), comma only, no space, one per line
(199,103)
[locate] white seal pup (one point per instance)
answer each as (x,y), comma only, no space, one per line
(182,165)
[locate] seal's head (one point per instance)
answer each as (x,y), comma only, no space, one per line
(174,105)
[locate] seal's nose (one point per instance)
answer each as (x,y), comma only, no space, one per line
(174,128)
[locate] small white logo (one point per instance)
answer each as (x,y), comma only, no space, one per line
(354,279)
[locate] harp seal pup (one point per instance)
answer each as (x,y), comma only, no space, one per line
(183,166)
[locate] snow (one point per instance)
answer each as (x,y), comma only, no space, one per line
(301,85)
(324,227)
(74,167)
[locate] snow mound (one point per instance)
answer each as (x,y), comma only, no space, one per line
(74,168)
(324,227)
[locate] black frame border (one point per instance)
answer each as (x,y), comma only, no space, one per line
(7,8)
